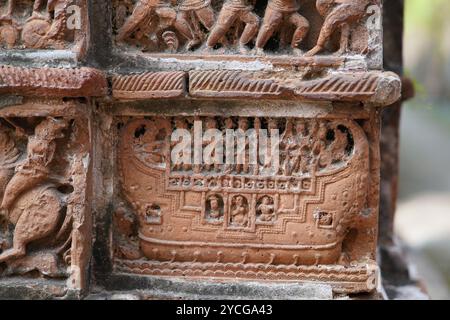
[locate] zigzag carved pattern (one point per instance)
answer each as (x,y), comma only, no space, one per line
(150,85)
(74,82)
(231,82)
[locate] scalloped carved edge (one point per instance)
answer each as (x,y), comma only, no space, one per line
(345,280)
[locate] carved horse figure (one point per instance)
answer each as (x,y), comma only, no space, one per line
(338,14)
(31,201)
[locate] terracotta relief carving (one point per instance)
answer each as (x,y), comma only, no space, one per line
(338,15)
(239,26)
(375,88)
(51,24)
(216,217)
(41,193)
(52,82)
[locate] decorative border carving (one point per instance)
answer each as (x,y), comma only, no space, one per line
(52,82)
(361,278)
(232,84)
(149,85)
(377,88)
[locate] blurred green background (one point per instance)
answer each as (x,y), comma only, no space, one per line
(423,219)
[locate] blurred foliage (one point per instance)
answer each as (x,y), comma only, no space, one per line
(427,46)
(430,15)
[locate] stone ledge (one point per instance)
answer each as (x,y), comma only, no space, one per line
(150,287)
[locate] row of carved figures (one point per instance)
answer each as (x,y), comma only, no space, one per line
(191,16)
(305,146)
(45,27)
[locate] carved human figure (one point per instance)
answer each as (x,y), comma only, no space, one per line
(36,216)
(239,211)
(270,162)
(281,13)
(229,126)
(9,32)
(37,6)
(338,14)
(181,124)
(152,146)
(301,151)
(339,145)
(215,209)
(192,13)
(9,10)
(242,151)
(257,125)
(231,12)
(321,153)
(150,15)
(266,210)
(216,164)
(289,149)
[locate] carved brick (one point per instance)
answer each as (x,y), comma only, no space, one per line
(150,85)
(52,82)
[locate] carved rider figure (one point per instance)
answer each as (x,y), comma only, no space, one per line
(231,12)
(338,14)
(281,13)
(35,169)
(35,217)
(191,14)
